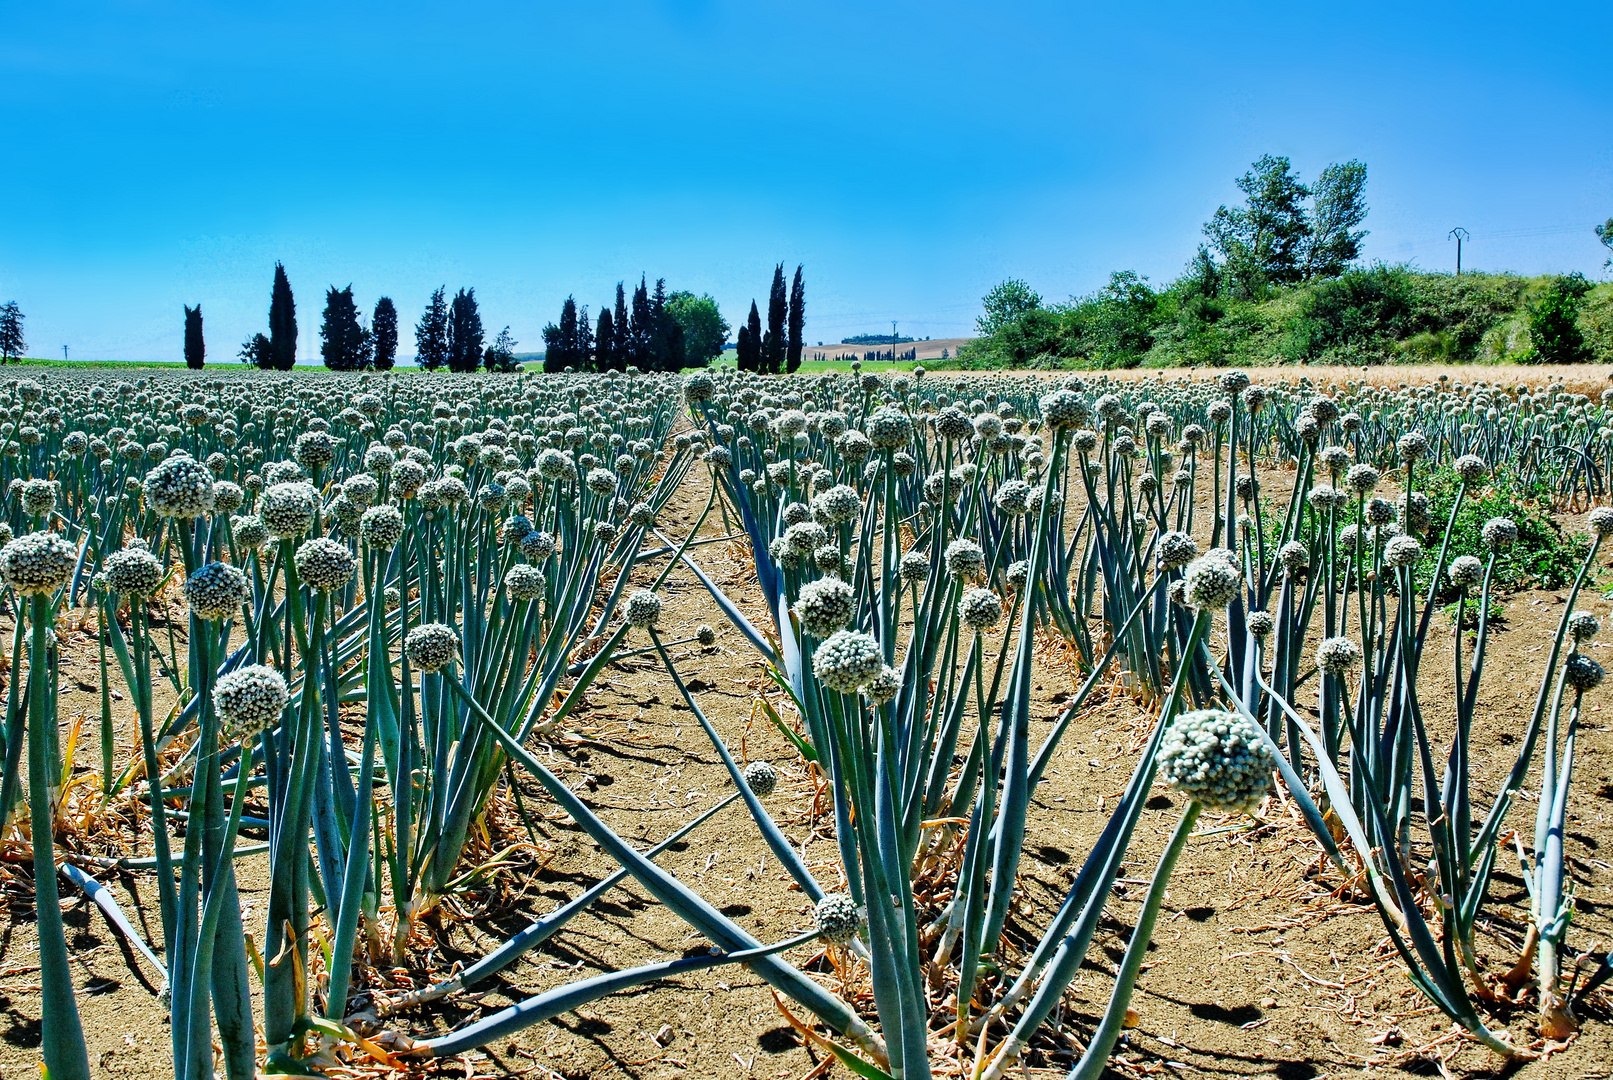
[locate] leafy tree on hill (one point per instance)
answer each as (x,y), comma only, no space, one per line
(464,332)
(792,352)
(1604,233)
(705,331)
(257,351)
(1338,205)
(344,343)
(384,329)
(195,348)
(774,341)
(1277,239)
(431,335)
(282,322)
(1553,329)
(1006,304)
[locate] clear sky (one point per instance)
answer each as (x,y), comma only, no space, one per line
(911,155)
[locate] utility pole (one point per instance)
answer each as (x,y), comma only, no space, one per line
(64,353)
(1458,234)
(893,341)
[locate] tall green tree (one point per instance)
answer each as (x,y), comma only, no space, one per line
(431,335)
(1338,205)
(257,352)
(1005,304)
(666,334)
(464,332)
(282,322)
(1604,233)
(640,327)
(195,348)
(620,345)
(792,351)
(774,341)
(12,343)
(605,341)
(1263,243)
(705,331)
(344,343)
(384,332)
(748,344)
(560,341)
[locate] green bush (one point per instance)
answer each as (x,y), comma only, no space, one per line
(1544,557)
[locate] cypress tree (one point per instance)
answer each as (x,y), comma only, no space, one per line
(605,341)
(464,332)
(619,323)
(638,337)
(773,341)
(195,350)
(792,352)
(384,327)
(282,322)
(748,345)
(343,342)
(256,351)
(431,335)
(560,342)
(582,345)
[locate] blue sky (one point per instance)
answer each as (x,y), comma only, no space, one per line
(911,155)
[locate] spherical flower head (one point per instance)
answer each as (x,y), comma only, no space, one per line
(980,610)
(38,563)
(249,531)
(952,424)
(180,487)
(883,687)
(889,428)
(1261,624)
(324,564)
(720,457)
(1018,572)
(554,465)
(1581,672)
(1380,511)
(361,490)
(1412,446)
(250,700)
(1233,382)
(1415,510)
(431,646)
(1084,440)
(217,591)
(524,581)
(288,509)
(391,597)
(514,530)
(837,918)
(1361,479)
(854,446)
(601,481)
(824,606)
(705,635)
(381,527)
(1583,626)
(1013,498)
(227,497)
(1063,410)
(643,610)
(1403,550)
(408,477)
(133,571)
(1338,656)
(1465,571)
(699,387)
(761,778)
(379,458)
(1500,532)
(1218,412)
(1176,549)
(314,450)
(965,561)
(1601,522)
(1324,408)
(537,546)
(38,497)
(642,515)
(805,538)
(1294,556)
(914,567)
(846,661)
(837,505)
(1471,469)
(492,497)
(1212,580)
(1218,759)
